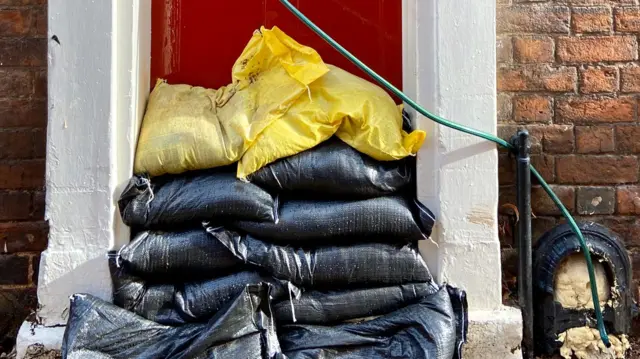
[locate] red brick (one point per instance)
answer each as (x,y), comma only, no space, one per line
(23,113)
(541,204)
(22,175)
(39,143)
(630,79)
(23,2)
(507,131)
(545,165)
(540,226)
(628,199)
(505,108)
(537,78)
(504,50)
(40,82)
(19,144)
(14,269)
(38,205)
(597,48)
(506,169)
(595,110)
(626,227)
(533,108)
(557,139)
(599,79)
(16,82)
(628,139)
(627,19)
(35,269)
(23,52)
(533,19)
(533,49)
(591,19)
(595,200)
(18,237)
(40,27)
(594,139)
(14,206)
(15,22)
(596,169)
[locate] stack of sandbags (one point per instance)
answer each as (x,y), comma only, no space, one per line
(284,200)
(346,235)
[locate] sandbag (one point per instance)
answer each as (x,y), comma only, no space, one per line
(360,264)
(197,301)
(424,330)
(333,167)
(360,113)
(190,198)
(391,219)
(335,306)
(176,256)
(283,100)
(244,329)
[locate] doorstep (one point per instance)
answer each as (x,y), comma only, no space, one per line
(40,339)
(494,334)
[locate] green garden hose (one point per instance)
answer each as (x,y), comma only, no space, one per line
(471,131)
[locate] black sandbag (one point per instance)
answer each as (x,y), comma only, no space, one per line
(155,302)
(244,329)
(326,307)
(176,256)
(383,218)
(189,302)
(193,197)
(425,330)
(360,264)
(333,167)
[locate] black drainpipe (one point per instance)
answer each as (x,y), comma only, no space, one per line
(522,144)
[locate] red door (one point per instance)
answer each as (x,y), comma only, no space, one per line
(197,41)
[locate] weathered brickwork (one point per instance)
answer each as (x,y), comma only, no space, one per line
(23,120)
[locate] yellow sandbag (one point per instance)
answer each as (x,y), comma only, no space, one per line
(283,100)
(357,111)
(190,128)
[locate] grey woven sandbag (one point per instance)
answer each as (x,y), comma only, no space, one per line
(333,167)
(335,306)
(176,256)
(244,329)
(190,302)
(360,264)
(424,330)
(377,219)
(198,300)
(190,198)
(153,301)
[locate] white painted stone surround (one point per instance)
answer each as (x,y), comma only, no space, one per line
(98,83)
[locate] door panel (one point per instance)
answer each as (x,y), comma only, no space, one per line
(197,41)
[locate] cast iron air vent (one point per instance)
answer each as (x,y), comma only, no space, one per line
(550,317)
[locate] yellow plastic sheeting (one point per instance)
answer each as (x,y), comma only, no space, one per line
(283,100)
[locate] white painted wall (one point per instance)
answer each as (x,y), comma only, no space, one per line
(97,76)
(450,70)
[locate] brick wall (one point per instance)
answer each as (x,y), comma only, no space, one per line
(23,120)
(568,71)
